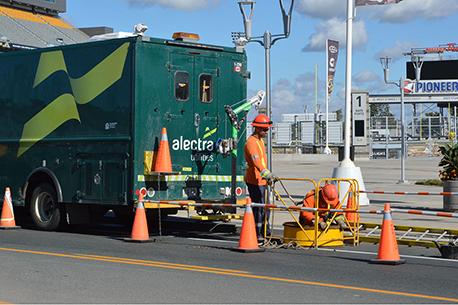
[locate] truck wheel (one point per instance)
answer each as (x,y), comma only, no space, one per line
(44,209)
(125,216)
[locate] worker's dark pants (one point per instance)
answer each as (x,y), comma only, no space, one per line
(258,195)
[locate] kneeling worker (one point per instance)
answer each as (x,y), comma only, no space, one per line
(257,174)
(328,198)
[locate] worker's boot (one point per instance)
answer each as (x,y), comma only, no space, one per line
(323,225)
(341,222)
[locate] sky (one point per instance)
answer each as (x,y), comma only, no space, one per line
(379,30)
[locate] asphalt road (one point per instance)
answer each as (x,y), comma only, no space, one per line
(96,266)
(194,263)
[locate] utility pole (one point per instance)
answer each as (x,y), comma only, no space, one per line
(316,88)
(385,61)
(347,168)
(267,41)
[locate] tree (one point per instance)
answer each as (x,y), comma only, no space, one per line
(432,113)
(339,114)
(380,110)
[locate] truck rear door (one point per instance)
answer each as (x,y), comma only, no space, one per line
(181,115)
(193,119)
(206,118)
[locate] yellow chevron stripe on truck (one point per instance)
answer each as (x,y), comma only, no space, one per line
(85,89)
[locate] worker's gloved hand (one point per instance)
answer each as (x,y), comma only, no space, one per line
(341,222)
(323,225)
(271,178)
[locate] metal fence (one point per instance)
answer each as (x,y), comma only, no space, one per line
(385,135)
(418,129)
(307,133)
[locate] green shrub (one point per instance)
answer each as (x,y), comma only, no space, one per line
(449,162)
(434,182)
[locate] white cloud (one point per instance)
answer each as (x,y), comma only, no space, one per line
(366,76)
(284,98)
(369,81)
(335,29)
(176,4)
(403,11)
(396,52)
(293,96)
(340,94)
(408,10)
(322,9)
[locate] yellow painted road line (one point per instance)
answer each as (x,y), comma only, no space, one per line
(235,274)
(129,261)
(161,263)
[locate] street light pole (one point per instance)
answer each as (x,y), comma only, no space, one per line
(267,41)
(347,168)
(348,70)
(385,61)
(403,134)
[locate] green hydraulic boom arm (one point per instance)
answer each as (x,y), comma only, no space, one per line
(229,146)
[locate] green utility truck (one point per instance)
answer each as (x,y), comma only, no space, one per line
(80,124)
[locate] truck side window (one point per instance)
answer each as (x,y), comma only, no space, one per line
(181,85)
(206,88)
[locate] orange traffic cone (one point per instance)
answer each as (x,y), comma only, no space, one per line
(140,227)
(7,219)
(352,217)
(388,252)
(163,162)
(248,238)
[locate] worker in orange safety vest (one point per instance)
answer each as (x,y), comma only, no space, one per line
(328,198)
(257,175)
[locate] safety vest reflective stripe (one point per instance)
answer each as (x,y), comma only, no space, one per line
(261,149)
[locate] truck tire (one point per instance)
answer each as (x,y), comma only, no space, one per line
(44,209)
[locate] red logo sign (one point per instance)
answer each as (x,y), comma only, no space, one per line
(238,67)
(409,86)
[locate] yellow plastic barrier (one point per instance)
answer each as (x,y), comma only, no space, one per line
(280,198)
(313,236)
(353,225)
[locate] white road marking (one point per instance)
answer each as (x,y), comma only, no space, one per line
(215,240)
(407,256)
(342,251)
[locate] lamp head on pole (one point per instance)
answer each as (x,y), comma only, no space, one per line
(286,14)
(417,62)
(385,61)
(247,18)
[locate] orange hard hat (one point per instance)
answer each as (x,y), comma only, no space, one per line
(329,193)
(262,120)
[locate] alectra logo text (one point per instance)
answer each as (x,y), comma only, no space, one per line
(195,145)
(199,145)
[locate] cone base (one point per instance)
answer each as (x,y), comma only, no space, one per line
(139,241)
(10,228)
(387,262)
(249,250)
